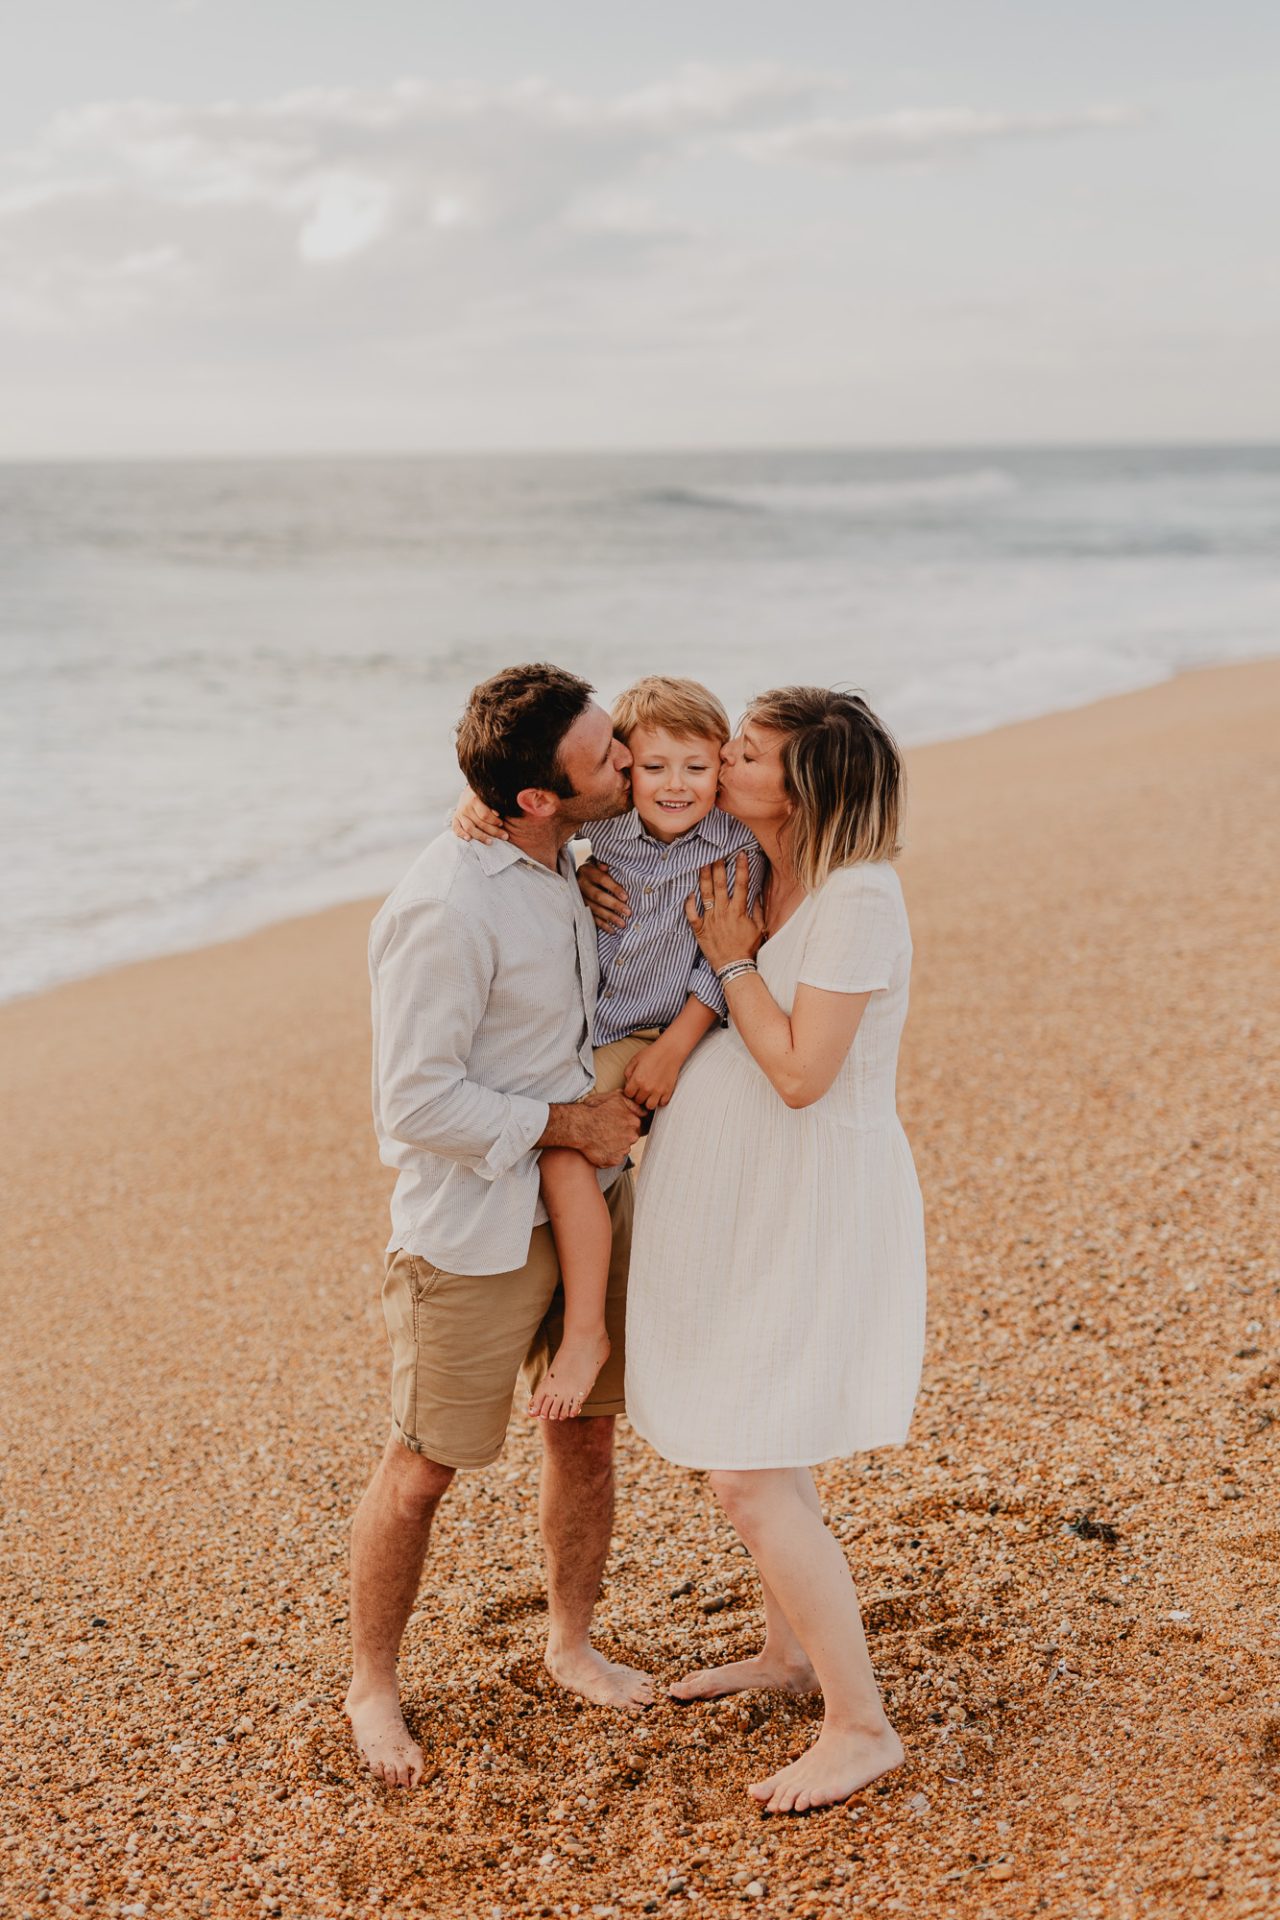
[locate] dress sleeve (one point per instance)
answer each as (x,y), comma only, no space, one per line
(858,932)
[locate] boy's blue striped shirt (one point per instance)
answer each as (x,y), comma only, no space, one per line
(649,969)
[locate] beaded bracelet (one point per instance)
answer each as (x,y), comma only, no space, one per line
(733,969)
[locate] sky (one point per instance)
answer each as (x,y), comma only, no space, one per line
(296,226)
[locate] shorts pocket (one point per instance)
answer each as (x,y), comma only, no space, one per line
(423,1277)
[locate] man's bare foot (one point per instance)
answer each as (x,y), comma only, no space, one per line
(382,1739)
(836,1765)
(604,1682)
(762,1670)
(574,1372)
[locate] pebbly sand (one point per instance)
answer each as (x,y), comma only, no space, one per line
(1069,1575)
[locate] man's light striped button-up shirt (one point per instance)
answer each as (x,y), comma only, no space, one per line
(484,973)
(649,969)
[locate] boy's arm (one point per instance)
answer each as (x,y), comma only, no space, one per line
(693,1020)
(651,1077)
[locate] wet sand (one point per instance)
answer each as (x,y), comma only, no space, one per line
(1071,1575)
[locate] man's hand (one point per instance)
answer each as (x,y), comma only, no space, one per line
(603,1127)
(651,1077)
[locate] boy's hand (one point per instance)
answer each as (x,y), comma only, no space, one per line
(606,897)
(651,1077)
(472,820)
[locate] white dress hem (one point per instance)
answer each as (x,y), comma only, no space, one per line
(765,1466)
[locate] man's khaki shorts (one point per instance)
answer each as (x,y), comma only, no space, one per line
(460,1343)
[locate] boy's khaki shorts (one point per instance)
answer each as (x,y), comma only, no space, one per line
(612,1061)
(461,1342)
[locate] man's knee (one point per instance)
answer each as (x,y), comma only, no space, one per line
(584,1446)
(416,1483)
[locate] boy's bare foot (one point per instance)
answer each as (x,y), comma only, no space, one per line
(836,1766)
(606,1683)
(574,1372)
(382,1739)
(762,1670)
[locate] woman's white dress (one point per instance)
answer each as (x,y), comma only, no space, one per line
(776,1299)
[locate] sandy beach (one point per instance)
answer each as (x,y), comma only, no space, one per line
(1070,1575)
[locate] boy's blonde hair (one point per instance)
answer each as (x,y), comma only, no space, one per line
(684,708)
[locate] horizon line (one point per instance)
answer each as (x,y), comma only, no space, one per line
(654,451)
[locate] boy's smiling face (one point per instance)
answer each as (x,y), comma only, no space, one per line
(673,779)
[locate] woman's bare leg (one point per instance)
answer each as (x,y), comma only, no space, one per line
(803,1565)
(579,1215)
(781,1664)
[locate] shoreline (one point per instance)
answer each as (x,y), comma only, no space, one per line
(1068,1573)
(244,924)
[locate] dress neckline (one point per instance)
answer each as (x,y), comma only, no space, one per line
(794,914)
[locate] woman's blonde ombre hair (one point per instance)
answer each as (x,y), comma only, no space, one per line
(684,708)
(843,775)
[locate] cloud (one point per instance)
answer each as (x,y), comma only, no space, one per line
(913,136)
(409,174)
(412,199)
(342,265)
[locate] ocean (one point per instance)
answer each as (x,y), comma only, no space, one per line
(230,687)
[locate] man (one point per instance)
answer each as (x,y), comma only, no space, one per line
(484,972)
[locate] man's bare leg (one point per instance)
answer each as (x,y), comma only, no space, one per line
(389,1540)
(575,1509)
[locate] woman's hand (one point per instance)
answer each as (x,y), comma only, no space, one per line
(472,820)
(724,929)
(606,897)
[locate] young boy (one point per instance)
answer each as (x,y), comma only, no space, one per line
(658,996)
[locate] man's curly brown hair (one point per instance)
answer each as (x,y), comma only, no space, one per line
(512,730)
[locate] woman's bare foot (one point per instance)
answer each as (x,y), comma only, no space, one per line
(574,1372)
(836,1765)
(740,1676)
(606,1683)
(382,1739)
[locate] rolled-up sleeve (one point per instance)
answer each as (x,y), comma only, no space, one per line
(705,987)
(432,974)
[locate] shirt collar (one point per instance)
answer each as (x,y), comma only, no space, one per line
(498,855)
(711,829)
(720,828)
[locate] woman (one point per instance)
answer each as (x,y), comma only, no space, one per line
(776,1297)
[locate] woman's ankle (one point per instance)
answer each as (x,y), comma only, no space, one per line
(857,1723)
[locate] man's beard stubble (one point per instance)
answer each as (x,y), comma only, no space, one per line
(581,809)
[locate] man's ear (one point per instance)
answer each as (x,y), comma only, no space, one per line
(537,804)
